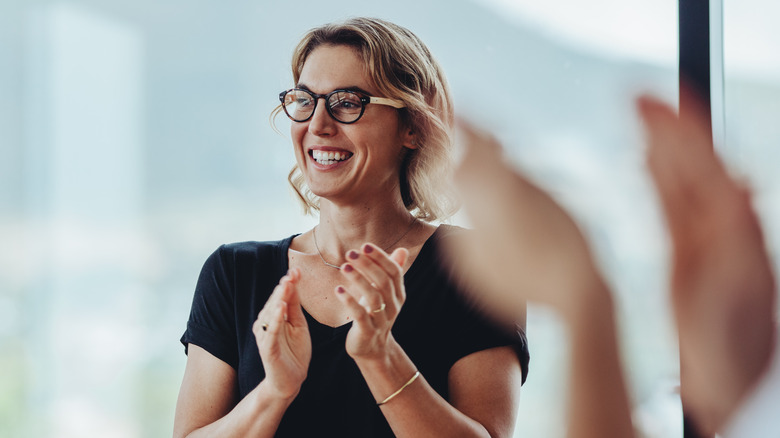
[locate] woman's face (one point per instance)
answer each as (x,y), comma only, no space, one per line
(366,155)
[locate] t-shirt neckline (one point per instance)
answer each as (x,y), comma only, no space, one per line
(410,275)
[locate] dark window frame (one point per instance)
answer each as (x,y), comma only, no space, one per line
(695,72)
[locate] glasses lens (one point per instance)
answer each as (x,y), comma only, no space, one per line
(345,106)
(298,104)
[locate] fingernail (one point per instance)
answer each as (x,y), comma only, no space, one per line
(340,289)
(353,254)
(368,249)
(348,268)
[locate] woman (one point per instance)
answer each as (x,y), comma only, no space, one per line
(324,333)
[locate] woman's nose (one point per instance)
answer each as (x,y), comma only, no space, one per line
(321,123)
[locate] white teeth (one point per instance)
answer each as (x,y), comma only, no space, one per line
(328,157)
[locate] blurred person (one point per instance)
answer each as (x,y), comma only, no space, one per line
(722,285)
(353,328)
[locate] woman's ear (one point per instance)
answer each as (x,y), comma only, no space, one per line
(409,139)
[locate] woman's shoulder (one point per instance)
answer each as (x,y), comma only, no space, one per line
(436,248)
(249,255)
(253,248)
(447,230)
(430,251)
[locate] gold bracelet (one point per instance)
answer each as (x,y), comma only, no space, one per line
(390,397)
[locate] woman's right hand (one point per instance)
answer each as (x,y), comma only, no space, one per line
(283,339)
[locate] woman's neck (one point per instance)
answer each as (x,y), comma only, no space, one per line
(343,228)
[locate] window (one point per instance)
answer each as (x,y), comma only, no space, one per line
(134,140)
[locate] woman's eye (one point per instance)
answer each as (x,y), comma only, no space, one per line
(303,101)
(346,103)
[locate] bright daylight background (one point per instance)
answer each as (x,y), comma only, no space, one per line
(134,139)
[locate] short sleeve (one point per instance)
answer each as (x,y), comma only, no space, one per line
(212,321)
(475,331)
(471,327)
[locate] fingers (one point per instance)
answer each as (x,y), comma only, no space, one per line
(270,319)
(482,153)
(263,317)
(258,328)
(285,297)
(400,256)
(695,112)
(294,274)
(376,279)
(667,163)
(367,294)
(292,299)
(277,320)
(690,179)
(360,315)
(380,267)
(680,149)
(490,187)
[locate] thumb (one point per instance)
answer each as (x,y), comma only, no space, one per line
(400,256)
(292,298)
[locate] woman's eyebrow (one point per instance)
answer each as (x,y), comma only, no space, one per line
(348,88)
(358,89)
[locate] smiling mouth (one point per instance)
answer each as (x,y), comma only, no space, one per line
(326,158)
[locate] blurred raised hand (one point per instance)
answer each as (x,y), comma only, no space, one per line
(722,285)
(525,247)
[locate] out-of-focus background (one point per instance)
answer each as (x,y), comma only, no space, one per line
(134,139)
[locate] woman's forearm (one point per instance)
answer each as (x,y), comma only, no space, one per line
(257,415)
(418,410)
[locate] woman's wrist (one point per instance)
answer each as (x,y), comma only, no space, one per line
(267,390)
(387,373)
(389,358)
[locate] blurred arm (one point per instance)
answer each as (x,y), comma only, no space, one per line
(526,247)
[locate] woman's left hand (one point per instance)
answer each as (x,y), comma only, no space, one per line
(374,294)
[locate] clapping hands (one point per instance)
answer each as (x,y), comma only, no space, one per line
(283,339)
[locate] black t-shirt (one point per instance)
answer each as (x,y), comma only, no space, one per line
(436,327)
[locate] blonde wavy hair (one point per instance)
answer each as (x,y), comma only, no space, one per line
(402,68)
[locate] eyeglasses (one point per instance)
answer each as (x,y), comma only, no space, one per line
(344,106)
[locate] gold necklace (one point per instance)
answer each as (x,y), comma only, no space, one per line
(314,233)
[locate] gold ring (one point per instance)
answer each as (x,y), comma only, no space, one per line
(381,308)
(264,327)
